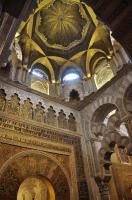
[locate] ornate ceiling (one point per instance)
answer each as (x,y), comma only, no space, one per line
(62,24)
(64,33)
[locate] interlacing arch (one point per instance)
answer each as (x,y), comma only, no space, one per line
(107,147)
(98,126)
(106,123)
(98,129)
(108,99)
(114,121)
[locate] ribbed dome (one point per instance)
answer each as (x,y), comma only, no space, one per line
(63,24)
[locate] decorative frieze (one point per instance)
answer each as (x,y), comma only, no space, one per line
(25,110)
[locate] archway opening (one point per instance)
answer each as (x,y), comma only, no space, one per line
(40,79)
(71,75)
(36,188)
(74,95)
(24,166)
(103,113)
(103,73)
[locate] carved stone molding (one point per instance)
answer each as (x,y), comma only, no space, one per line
(16,130)
(25,110)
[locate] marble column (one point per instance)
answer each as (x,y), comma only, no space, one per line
(23,75)
(118,57)
(19,74)
(114,66)
(103,186)
(13,72)
(28,79)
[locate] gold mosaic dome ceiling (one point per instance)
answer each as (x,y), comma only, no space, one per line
(63,33)
(62,24)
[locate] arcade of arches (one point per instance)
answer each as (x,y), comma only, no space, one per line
(65,100)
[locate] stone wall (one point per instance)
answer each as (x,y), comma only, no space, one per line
(94,128)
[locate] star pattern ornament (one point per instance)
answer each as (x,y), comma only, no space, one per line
(63,24)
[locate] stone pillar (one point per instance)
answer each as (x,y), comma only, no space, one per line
(19,74)
(13,72)
(28,78)
(53,89)
(24,76)
(8,30)
(118,57)
(116,63)
(93,84)
(114,66)
(104,191)
(126,57)
(102,184)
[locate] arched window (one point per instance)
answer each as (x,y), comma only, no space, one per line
(103,74)
(39,80)
(71,75)
(74,95)
(40,74)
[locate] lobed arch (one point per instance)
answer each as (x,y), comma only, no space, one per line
(107,118)
(109,99)
(108,143)
(98,116)
(101,129)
